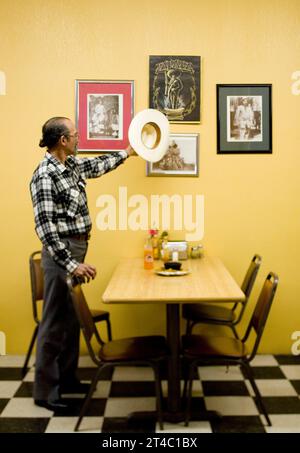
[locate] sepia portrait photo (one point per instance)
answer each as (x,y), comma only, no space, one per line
(181,158)
(244,118)
(104,122)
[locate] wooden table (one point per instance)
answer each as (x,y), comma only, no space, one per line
(208,281)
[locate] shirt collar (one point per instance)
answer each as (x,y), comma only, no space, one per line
(58,165)
(71,162)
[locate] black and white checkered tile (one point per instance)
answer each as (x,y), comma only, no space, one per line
(129,389)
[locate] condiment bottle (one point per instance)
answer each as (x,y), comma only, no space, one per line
(164,252)
(155,246)
(175,255)
(148,255)
(196,251)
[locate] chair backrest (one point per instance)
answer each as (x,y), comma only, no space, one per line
(247,285)
(37,282)
(250,276)
(85,318)
(261,311)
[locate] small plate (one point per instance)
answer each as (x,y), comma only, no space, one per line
(171,272)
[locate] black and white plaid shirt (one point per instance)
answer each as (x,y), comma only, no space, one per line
(60,203)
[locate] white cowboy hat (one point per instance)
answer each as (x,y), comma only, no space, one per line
(149,134)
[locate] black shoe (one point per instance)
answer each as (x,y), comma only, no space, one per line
(56,406)
(75,387)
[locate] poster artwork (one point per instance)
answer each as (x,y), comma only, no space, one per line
(175,87)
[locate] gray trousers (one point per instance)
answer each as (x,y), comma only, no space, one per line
(58,335)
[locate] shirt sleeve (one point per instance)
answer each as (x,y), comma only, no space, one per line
(44,207)
(92,167)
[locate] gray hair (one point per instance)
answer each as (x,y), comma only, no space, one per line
(52,130)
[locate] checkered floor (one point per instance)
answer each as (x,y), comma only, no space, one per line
(131,389)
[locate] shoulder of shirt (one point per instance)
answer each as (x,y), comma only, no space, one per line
(44,170)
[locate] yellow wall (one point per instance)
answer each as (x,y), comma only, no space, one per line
(251,201)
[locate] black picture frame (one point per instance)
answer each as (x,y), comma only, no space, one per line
(174,87)
(244,119)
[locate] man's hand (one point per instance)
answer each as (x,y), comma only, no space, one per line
(85,272)
(130,151)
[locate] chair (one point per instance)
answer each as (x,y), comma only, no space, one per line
(219,315)
(37,289)
(211,350)
(145,350)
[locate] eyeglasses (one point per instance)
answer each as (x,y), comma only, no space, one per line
(70,135)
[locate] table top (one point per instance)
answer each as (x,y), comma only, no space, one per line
(208,280)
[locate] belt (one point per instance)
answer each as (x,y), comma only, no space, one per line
(79,237)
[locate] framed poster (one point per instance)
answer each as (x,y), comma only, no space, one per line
(104,110)
(175,87)
(181,159)
(244,119)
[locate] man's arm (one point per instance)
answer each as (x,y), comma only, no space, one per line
(93,167)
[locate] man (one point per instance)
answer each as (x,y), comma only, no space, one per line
(244,119)
(175,86)
(63,224)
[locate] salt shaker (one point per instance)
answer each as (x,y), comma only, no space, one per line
(175,255)
(196,251)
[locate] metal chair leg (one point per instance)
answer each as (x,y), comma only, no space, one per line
(186,378)
(189,395)
(158,395)
(28,355)
(260,403)
(109,335)
(88,398)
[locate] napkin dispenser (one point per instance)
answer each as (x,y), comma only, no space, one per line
(180,246)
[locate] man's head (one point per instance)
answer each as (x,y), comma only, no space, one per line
(59,133)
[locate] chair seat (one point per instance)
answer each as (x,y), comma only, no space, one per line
(196,346)
(207,312)
(99,315)
(135,348)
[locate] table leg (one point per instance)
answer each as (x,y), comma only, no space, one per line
(173,336)
(173,412)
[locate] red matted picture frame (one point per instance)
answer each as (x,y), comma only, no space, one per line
(104,110)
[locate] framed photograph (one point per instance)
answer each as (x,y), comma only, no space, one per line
(175,87)
(104,110)
(181,159)
(244,119)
